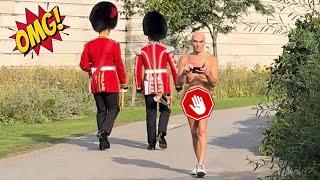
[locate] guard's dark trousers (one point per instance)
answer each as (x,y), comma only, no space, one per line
(151,117)
(107,110)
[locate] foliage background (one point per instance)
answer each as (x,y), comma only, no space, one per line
(38,94)
(293,136)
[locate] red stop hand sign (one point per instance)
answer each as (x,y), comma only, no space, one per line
(197,103)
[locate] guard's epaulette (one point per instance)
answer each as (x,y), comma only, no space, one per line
(170,49)
(139,49)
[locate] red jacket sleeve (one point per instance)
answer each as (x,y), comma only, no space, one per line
(119,65)
(173,68)
(85,59)
(138,71)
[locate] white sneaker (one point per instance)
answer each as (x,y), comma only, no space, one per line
(194,171)
(201,171)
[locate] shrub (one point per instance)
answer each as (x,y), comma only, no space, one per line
(34,95)
(241,82)
(293,135)
(39,94)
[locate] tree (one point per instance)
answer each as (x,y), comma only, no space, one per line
(216,16)
(290,10)
(293,134)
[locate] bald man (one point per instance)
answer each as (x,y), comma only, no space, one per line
(205,75)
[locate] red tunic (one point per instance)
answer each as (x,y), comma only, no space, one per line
(151,72)
(101,58)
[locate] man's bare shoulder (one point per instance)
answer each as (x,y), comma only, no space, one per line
(212,58)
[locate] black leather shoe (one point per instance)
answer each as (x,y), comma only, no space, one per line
(104,143)
(151,147)
(162,141)
(101,146)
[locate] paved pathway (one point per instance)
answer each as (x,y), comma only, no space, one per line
(234,134)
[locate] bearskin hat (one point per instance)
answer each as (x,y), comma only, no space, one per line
(155,25)
(104,15)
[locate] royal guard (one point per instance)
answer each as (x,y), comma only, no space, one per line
(101,58)
(153,79)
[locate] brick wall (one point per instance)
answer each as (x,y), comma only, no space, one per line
(239,48)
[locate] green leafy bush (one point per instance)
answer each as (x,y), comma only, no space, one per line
(293,135)
(241,82)
(34,95)
(38,94)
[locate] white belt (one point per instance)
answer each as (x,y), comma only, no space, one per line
(104,68)
(153,71)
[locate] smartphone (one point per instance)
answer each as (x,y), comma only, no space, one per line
(197,69)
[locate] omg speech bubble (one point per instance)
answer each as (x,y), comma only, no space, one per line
(39,30)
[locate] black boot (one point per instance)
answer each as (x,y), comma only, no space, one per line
(104,143)
(103,139)
(151,147)
(162,140)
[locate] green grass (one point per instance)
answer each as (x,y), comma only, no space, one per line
(19,138)
(238,102)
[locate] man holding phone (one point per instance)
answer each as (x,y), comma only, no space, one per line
(198,68)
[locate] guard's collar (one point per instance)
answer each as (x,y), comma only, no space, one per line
(154,42)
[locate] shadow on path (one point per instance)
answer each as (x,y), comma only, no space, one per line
(91,142)
(248,135)
(147,164)
(245,175)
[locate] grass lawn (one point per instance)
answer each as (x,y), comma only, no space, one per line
(19,138)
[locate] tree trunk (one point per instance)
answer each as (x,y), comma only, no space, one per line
(214,36)
(214,44)
(128,56)
(133,93)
